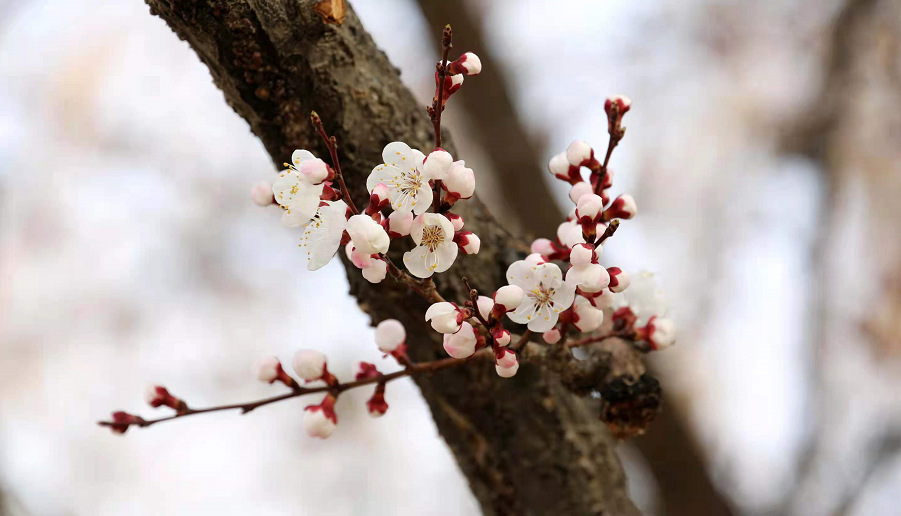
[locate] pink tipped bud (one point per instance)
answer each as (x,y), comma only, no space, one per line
(579,190)
(561,168)
(460,182)
(552,336)
(505,358)
(262,194)
(660,333)
(507,372)
(463,343)
(619,280)
(509,297)
(581,255)
(389,335)
(158,396)
(378,198)
(309,364)
(313,171)
(376,405)
(320,420)
(585,316)
(589,208)
(468,242)
(579,153)
(467,64)
(622,104)
(365,370)
(269,370)
(456,220)
(399,224)
(123,420)
(436,165)
(501,336)
(485,304)
(542,246)
(623,207)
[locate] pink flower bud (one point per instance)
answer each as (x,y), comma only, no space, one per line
(456,220)
(390,334)
(309,364)
(262,194)
(367,235)
(561,168)
(461,181)
(509,297)
(360,259)
(623,207)
(485,304)
(266,369)
(622,102)
(660,333)
(379,195)
(579,153)
(320,420)
(376,271)
(581,255)
(314,171)
(505,358)
(444,317)
(158,396)
(436,165)
(468,242)
(507,372)
(552,336)
(123,420)
(399,224)
(589,208)
(579,190)
(467,64)
(619,280)
(501,336)
(603,299)
(463,343)
(543,246)
(585,316)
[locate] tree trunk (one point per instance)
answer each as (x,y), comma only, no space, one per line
(527,445)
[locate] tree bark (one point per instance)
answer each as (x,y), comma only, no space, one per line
(527,445)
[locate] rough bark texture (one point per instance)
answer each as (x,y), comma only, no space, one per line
(527,445)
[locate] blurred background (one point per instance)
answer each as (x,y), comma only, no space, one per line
(762,149)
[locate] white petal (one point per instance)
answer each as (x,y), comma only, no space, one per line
(446,254)
(416,229)
(388,175)
(543,320)
(524,312)
(423,198)
(400,155)
(376,271)
(415,261)
(300,156)
(322,235)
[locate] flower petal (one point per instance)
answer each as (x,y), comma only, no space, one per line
(300,156)
(399,154)
(446,253)
(322,235)
(416,262)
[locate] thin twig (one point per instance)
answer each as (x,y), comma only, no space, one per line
(424,367)
(332,143)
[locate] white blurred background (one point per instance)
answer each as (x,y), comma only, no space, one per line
(130,253)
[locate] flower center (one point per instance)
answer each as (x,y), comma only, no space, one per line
(411,183)
(542,296)
(432,236)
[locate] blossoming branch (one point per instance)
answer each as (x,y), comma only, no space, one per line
(558,291)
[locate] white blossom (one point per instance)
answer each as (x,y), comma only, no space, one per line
(401,172)
(367,235)
(444,317)
(546,294)
(587,276)
(390,334)
(322,234)
(461,344)
(309,364)
(297,196)
(262,193)
(435,249)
